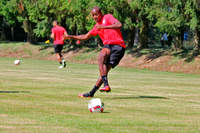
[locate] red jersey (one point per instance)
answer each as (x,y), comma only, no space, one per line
(108,36)
(58,32)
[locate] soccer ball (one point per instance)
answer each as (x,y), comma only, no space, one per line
(17,62)
(96,105)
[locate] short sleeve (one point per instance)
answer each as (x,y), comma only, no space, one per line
(111,19)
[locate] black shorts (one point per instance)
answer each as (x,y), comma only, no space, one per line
(117,52)
(58,48)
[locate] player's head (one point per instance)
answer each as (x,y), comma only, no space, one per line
(96,14)
(55,22)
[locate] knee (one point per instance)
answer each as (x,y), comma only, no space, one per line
(104,53)
(101,55)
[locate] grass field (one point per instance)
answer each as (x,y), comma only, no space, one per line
(37,97)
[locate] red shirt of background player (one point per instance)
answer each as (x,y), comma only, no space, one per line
(108,36)
(58,34)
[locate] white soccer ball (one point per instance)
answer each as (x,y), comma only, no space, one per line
(17,62)
(96,105)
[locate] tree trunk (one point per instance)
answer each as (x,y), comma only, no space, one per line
(12,33)
(3,31)
(143,34)
(169,41)
(131,38)
(179,42)
(143,39)
(196,40)
(28,29)
(136,37)
(2,34)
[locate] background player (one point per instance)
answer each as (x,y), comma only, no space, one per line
(57,34)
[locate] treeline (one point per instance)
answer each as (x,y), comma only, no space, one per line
(144,21)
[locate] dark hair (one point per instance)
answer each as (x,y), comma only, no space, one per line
(97,9)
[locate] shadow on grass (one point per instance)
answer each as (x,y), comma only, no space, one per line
(150,54)
(188,55)
(76,48)
(153,53)
(46,46)
(14,91)
(139,97)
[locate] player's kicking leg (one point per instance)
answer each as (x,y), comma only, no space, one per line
(94,89)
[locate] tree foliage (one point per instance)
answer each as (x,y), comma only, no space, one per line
(173,17)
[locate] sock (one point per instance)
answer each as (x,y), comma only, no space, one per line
(95,88)
(105,80)
(60,63)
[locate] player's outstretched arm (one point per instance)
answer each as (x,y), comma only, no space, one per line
(78,37)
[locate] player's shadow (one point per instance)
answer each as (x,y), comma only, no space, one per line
(139,97)
(14,92)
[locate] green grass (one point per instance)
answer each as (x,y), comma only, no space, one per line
(37,97)
(22,49)
(86,54)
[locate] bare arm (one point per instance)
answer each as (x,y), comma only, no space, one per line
(116,25)
(78,37)
(52,35)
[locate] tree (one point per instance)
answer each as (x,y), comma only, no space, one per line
(22,7)
(171,19)
(193,12)
(8,15)
(79,16)
(141,9)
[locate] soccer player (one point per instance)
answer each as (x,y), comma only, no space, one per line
(57,34)
(108,28)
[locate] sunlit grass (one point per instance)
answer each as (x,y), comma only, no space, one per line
(36,96)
